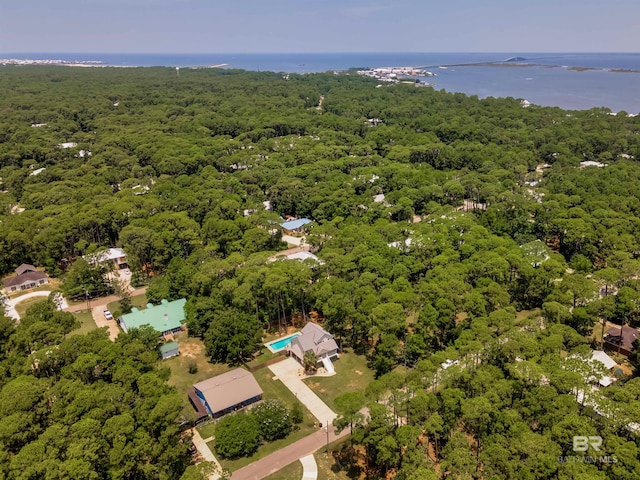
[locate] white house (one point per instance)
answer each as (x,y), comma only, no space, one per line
(314,338)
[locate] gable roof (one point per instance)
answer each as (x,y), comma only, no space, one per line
(24,278)
(603,358)
(163,317)
(24,268)
(295,224)
(169,346)
(229,389)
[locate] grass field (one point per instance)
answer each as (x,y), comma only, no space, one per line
(207,430)
(191,350)
(86,323)
(293,471)
(352,375)
(273,389)
(22,307)
(138,301)
(264,355)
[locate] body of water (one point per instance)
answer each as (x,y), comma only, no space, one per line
(548,80)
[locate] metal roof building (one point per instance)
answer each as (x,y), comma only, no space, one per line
(228,392)
(168,317)
(294,225)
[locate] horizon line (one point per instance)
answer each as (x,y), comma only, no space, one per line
(320,53)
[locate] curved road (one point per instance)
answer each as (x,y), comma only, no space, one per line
(10,305)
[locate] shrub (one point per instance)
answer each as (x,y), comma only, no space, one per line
(237,436)
(192,367)
(296,413)
(273,420)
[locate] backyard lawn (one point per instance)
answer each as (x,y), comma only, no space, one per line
(273,389)
(264,355)
(192,352)
(352,375)
(290,472)
(86,323)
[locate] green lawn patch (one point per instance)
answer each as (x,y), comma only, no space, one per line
(273,389)
(23,306)
(86,323)
(352,375)
(138,301)
(263,356)
(293,471)
(207,430)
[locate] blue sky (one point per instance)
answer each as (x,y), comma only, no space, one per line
(256,26)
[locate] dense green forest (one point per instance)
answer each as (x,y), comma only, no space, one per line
(486,213)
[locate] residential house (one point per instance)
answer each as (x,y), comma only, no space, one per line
(166,318)
(228,392)
(299,253)
(600,364)
(26,277)
(294,226)
(624,341)
(110,255)
(314,338)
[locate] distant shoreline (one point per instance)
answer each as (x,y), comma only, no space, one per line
(93,63)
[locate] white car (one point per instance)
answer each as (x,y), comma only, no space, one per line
(107,315)
(127,272)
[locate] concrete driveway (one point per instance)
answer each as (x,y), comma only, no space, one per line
(97,312)
(289,372)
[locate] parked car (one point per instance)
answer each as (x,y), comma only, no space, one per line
(127,272)
(108,315)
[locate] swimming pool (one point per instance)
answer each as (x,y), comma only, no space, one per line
(278,345)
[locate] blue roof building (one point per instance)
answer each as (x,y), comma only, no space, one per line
(295,225)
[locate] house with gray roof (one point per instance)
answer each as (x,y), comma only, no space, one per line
(26,277)
(314,338)
(228,392)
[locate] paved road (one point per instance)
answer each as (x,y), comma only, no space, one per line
(283,457)
(309,468)
(11,303)
(288,371)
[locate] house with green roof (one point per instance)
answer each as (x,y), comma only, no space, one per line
(166,318)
